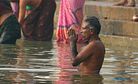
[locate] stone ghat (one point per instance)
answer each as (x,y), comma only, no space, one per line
(115,20)
(108,0)
(117,25)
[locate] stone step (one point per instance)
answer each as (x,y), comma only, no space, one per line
(105,0)
(108,11)
(119,28)
(121,41)
(109,0)
(110,26)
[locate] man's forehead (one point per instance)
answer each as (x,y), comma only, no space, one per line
(85,24)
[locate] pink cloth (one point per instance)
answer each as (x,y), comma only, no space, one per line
(14,6)
(70,13)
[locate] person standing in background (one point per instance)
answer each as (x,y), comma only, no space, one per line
(9,26)
(70,15)
(37,19)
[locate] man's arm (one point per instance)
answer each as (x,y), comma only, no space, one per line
(73,48)
(83,55)
(22,6)
(73,41)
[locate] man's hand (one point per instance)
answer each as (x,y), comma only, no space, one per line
(73,40)
(72,35)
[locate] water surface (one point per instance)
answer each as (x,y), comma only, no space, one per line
(50,63)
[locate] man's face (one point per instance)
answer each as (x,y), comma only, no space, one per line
(85,30)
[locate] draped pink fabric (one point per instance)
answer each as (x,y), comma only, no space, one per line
(70,13)
(15,6)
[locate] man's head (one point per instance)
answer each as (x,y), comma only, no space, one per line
(90,26)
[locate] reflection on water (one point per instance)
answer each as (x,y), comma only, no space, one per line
(50,63)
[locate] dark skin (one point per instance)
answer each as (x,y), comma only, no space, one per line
(22,8)
(5,13)
(3,17)
(91,57)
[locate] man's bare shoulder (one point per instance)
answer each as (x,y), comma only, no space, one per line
(96,44)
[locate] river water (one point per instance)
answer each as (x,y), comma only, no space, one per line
(50,63)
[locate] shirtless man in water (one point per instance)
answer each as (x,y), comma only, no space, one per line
(91,57)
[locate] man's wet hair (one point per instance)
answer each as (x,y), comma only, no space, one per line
(94,24)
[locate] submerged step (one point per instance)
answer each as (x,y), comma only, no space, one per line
(121,28)
(121,41)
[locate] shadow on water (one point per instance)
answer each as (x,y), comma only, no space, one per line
(50,63)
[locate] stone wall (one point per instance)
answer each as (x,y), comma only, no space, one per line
(110,0)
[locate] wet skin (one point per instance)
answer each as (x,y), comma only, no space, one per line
(91,57)
(22,8)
